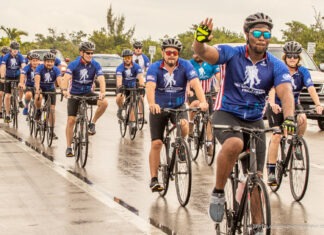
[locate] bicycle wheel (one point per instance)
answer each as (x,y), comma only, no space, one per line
(224,227)
(14,111)
(76,141)
(163,171)
(182,171)
(194,141)
(44,123)
(299,170)
(209,147)
(123,122)
(257,214)
(279,168)
(84,143)
(133,128)
(140,113)
(31,114)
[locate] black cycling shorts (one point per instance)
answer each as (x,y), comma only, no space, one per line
(53,96)
(73,104)
(277,119)
(1,86)
(225,118)
(7,84)
(159,121)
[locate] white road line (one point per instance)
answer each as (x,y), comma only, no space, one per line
(317,166)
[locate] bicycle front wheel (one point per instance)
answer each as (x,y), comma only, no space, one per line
(84,143)
(123,122)
(50,129)
(279,168)
(183,173)
(132,128)
(14,110)
(299,170)
(140,113)
(31,114)
(163,171)
(209,147)
(76,141)
(257,214)
(194,140)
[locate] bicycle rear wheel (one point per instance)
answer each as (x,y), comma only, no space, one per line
(133,128)
(163,171)
(84,143)
(140,113)
(31,114)
(299,170)
(257,214)
(210,148)
(123,122)
(183,174)
(50,129)
(279,168)
(14,112)
(76,141)
(194,141)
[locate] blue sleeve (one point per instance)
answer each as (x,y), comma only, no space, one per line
(57,62)
(25,69)
(280,71)
(138,69)
(119,70)
(39,69)
(71,67)
(98,69)
(57,71)
(307,80)
(146,61)
(21,58)
(152,72)
(226,52)
(190,70)
(5,58)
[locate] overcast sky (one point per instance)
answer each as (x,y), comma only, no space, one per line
(154,18)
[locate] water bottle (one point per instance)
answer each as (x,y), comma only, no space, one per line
(240,188)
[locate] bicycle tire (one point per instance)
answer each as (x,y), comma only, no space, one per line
(279,168)
(182,166)
(31,113)
(14,110)
(224,227)
(296,165)
(84,143)
(75,140)
(262,197)
(164,171)
(209,158)
(194,141)
(133,129)
(140,115)
(44,122)
(124,120)
(50,129)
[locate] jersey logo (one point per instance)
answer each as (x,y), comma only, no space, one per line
(32,75)
(201,72)
(169,80)
(251,76)
(13,62)
(128,74)
(83,75)
(47,77)
(293,84)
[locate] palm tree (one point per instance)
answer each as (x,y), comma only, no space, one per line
(13,33)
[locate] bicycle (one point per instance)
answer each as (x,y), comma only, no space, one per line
(175,163)
(133,107)
(80,141)
(45,125)
(241,211)
(293,159)
(14,110)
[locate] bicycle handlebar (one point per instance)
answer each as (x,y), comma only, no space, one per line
(247,130)
(171,110)
(78,97)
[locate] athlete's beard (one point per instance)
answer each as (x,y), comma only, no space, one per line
(85,60)
(170,63)
(127,64)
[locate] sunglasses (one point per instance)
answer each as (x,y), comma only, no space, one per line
(258,34)
(289,56)
(169,53)
(128,57)
(89,53)
(138,47)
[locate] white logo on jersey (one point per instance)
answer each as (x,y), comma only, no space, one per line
(201,72)
(13,62)
(32,75)
(251,76)
(169,80)
(47,77)
(293,84)
(83,75)
(128,74)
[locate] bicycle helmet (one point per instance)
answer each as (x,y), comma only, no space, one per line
(5,50)
(127,52)
(34,56)
(292,47)
(137,44)
(14,45)
(49,56)
(171,42)
(257,18)
(53,50)
(87,46)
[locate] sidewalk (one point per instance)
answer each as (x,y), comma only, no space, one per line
(39,197)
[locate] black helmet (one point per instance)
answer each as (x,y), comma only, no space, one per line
(127,52)
(35,56)
(14,45)
(49,56)
(87,46)
(171,42)
(5,50)
(292,47)
(53,50)
(257,18)
(137,44)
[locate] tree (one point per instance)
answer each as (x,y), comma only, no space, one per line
(13,33)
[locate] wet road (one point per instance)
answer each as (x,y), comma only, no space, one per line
(118,168)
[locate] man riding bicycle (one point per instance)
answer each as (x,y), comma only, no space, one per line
(139,57)
(127,75)
(250,73)
(300,78)
(80,76)
(4,51)
(166,83)
(10,70)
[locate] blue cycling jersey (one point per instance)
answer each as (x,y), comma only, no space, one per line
(170,89)
(57,62)
(83,75)
(142,60)
(205,70)
(246,85)
(300,79)
(47,76)
(13,64)
(129,75)
(29,75)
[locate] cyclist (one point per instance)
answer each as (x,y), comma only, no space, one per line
(139,57)
(207,76)
(46,75)
(127,75)
(10,70)
(166,82)
(251,72)
(4,51)
(27,82)
(300,78)
(81,74)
